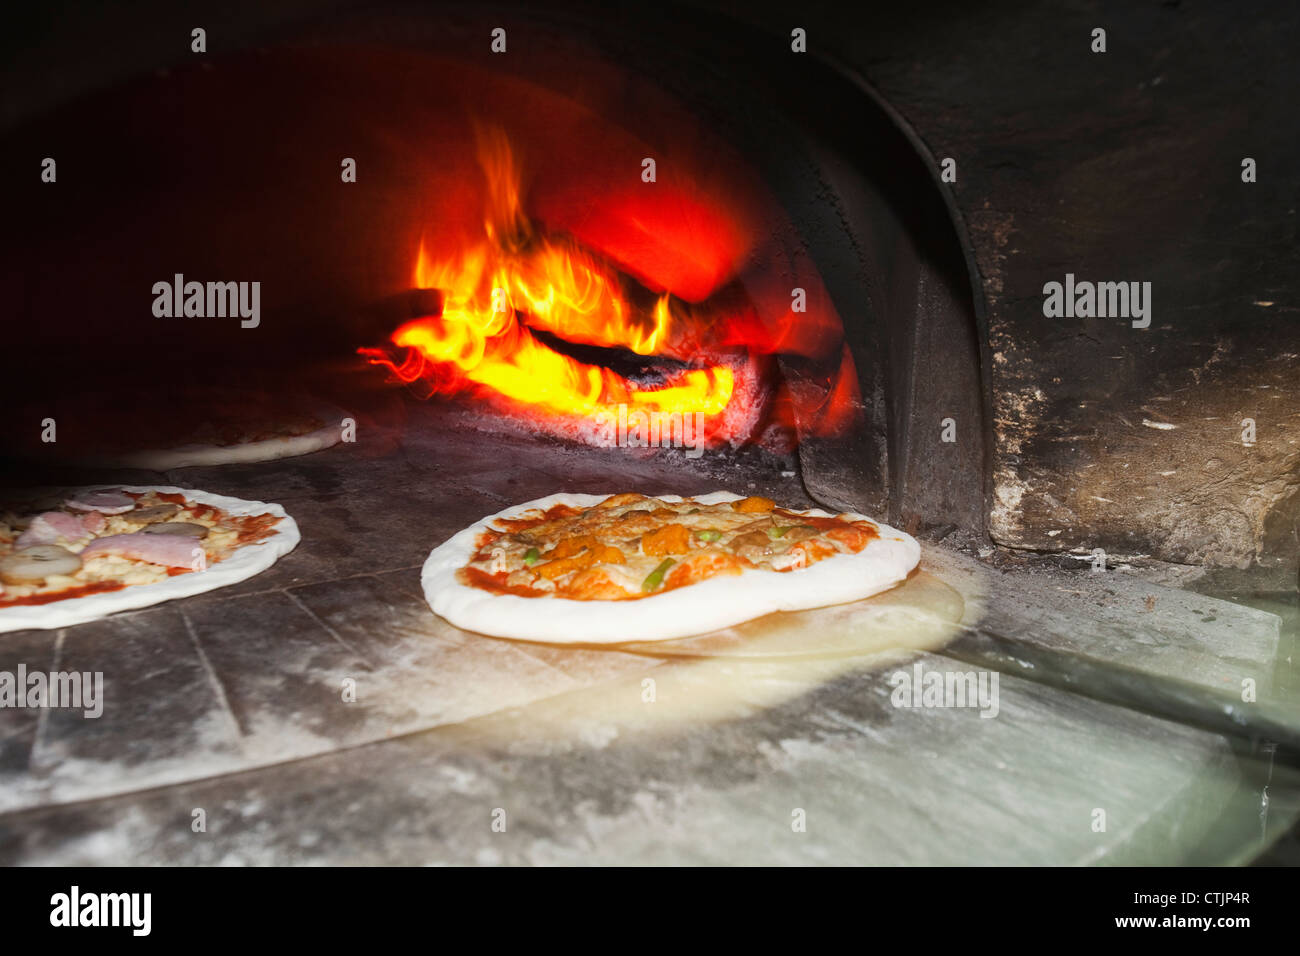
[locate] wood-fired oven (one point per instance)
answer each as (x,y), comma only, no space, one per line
(1024,299)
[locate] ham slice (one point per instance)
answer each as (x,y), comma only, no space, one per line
(105,502)
(93,522)
(170,550)
(48,528)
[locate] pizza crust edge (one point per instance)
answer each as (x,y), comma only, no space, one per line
(268,449)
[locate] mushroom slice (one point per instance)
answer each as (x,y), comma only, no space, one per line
(33,565)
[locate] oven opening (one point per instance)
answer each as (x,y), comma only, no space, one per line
(565,244)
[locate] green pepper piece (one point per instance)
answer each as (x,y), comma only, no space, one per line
(531,557)
(709,534)
(656,577)
(775,532)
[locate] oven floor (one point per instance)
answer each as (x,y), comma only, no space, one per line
(465,749)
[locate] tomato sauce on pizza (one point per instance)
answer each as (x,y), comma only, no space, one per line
(631,546)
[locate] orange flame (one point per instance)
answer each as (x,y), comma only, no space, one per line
(498,291)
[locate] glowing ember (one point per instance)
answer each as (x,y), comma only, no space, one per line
(505,296)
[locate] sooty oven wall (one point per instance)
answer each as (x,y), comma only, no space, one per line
(215,170)
(1125,165)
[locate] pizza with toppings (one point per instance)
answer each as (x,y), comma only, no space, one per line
(87,553)
(606,569)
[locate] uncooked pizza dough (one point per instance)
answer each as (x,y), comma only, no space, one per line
(696,608)
(236,560)
(269,449)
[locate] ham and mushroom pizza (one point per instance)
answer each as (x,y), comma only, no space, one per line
(605,569)
(88,553)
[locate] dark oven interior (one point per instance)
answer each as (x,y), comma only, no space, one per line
(815,264)
(656,250)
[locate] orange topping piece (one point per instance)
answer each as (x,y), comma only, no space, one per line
(852,537)
(568,547)
(608,554)
(584,557)
(562,566)
(595,584)
(703,565)
(670,539)
(753,505)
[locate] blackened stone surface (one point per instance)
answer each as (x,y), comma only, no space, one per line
(159,701)
(31,651)
(808,768)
